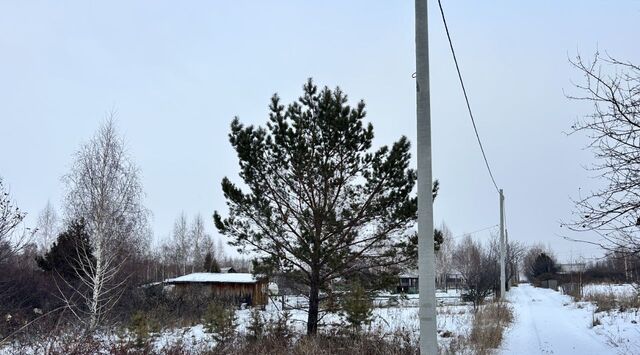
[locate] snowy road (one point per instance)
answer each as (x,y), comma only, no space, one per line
(547,322)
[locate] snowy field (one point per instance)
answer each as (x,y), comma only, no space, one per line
(392,315)
(546,322)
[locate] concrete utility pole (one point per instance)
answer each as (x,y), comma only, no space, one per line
(508,264)
(426,264)
(502,248)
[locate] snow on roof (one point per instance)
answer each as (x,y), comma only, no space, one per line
(210,277)
(409,275)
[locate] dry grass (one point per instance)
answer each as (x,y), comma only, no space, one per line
(607,301)
(603,301)
(488,327)
(487,330)
(398,343)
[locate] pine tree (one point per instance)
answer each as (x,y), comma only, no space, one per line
(63,258)
(321,203)
(221,321)
(210,263)
(215,267)
(207,262)
(357,306)
(256,326)
(544,267)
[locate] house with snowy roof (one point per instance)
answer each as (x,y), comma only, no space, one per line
(233,287)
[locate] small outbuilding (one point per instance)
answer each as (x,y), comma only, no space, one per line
(408,282)
(227,270)
(235,287)
(573,268)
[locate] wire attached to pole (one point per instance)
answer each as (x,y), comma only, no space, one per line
(466,97)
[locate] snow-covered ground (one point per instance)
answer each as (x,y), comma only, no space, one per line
(453,321)
(547,322)
(392,314)
(401,315)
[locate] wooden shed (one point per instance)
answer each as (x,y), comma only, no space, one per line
(408,282)
(235,287)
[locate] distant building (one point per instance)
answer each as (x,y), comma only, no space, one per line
(227,270)
(571,268)
(408,282)
(234,287)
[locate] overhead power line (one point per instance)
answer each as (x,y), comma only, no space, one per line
(474,232)
(466,97)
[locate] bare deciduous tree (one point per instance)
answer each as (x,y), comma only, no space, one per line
(219,250)
(182,242)
(14,240)
(199,239)
(478,267)
(444,256)
(47,227)
(104,190)
(11,240)
(613,87)
(514,254)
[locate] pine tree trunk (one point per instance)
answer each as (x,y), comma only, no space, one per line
(314,303)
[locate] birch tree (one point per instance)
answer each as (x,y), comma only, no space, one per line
(199,239)
(182,242)
(219,249)
(104,190)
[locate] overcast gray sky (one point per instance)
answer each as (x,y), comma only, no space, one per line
(177,73)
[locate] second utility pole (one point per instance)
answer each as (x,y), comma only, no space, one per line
(502,249)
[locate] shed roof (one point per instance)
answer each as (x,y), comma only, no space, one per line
(211,277)
(409,275)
